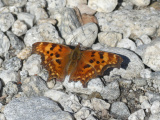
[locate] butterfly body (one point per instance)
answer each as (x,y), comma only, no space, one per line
(61,60)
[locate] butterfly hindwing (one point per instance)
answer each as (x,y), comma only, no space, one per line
(55,57)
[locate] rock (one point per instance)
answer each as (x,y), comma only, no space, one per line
(39,13)
(84,9)
(109,89)
(51,84)
(145,105)
(1,4)
(120,110)
(152,96)
(2,117)
(109,38)
(127,5)
(131,65)
(8,75)
(139,82)
(138,115)
(154,117)
(155,108)
(103,5)
(16,43)
(6,21)
(35,108)
(123,22)
(156,5)
(10,9)
(141,49)
(151,55)
(99,105)
(26,18)
(33,65)
(13,64)
(19,3)
(125,83)
(146,73)
(55,3)
(86,35)
(19,28)
(5,44)
(69,16)
(91,117)
(88,19)
(24,53)
(72,4)
(33,86)
(127,43)
(43,33)
(144,39)
(47,20)
(141,3)
(10,89)
(83,113)
(54,94)
(1,61)
(156,80)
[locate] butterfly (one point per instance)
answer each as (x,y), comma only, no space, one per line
(82,65)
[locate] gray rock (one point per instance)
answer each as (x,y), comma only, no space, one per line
(35,108)
(1,61)
(6,21)
(67,20)
(103,5)
(120,110)
(146,73)
(33,86)
(138,115)
(144,39)
(33,65)
(141,3)
(10,9)
(19,28)
(55,3)
(72,4)
(2,117)
(154,117)
(141,49)
(131,65)
(145,105)
(8,75)
(139,82)
(43,33)
(1,4)
(5,44)
(12,64)
(10,89)
(151,55)
(109,89)
(123,21)
(155,108)
(24,53)
(109,38)
(152,96)
(39,13)
(86,35)
(27,18)
(19,3)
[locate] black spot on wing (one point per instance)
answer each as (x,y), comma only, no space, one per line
(101,54)
(58,61)
(53,46)
(86,66)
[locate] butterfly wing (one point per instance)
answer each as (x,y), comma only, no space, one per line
(54,58)
(92,64)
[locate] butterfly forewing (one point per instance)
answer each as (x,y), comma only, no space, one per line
(55,57)
(94,63)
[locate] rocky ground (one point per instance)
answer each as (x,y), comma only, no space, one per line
(129,28)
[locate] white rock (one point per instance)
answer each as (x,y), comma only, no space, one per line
(120,110)
(39,13)
(138,115)
(86,35)
(6,21)
(141,3)
(8,75)
(85,9)
(91,117)
(55,94)
(24,53)
(75,3)
(5,44)
(144,39)
(51,84)
(154,117)
(19,3)
(151,55)
(127,43)
(142,98)
(103,5)
(146,73)
(27,18)
(86,103)
(33,64)
(1,4)
(99,105)
(56,3)
(109,38)
(1,61)
(83,113)
(19,28)
(123,21)
(145,105)
(43,33)
(2,117)
(155,108)
(12,9)
(47,20)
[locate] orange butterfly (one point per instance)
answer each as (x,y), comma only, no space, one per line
(61,60)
